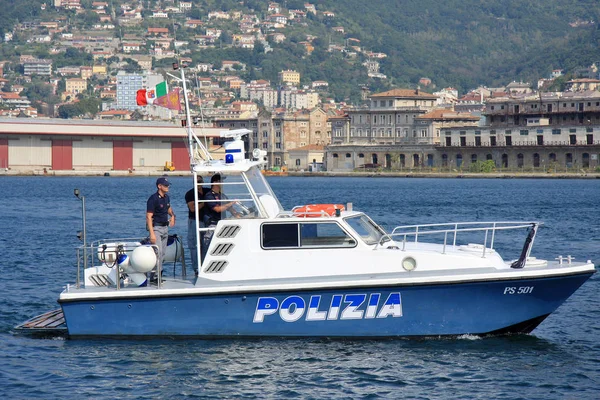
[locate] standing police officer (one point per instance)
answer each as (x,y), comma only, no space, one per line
(158,210)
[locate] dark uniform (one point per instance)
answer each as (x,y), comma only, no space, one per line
(192,231)
(211,216)
(159,206)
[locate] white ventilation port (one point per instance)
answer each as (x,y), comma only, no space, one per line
(222,249)
(216,266)
(228,231)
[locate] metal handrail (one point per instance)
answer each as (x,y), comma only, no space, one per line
(417,230)
(91,251)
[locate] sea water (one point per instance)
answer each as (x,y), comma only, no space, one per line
(41,217)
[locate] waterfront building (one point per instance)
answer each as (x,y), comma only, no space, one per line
(306,158)
(540,131)
(277,131)
(64,146)
(389,118)
(543,132)
(539,148)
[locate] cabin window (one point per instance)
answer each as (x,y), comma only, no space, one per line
(365,228)
(324,235)
(309,235)
(279,235)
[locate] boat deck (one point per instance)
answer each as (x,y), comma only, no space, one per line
(203,286)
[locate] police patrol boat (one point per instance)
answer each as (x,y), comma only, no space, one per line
(322,270)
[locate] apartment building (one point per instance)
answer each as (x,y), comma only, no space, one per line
(34,66)
(279,132)
(75,85)
(295,99)
(289,76)
(392,117)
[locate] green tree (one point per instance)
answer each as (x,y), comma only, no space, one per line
(132,66)
(67,111)
(39,91)
(90,105)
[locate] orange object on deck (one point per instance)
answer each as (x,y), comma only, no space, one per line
(317,210)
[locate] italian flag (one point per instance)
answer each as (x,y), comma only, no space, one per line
(148,96)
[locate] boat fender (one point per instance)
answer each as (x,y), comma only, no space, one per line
(174,249)
(139,279)
(317,210)
(143,259)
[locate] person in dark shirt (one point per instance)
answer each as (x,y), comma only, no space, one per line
(214,209)
(192,230)
(158,210)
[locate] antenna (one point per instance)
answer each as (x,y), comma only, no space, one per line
(235,133)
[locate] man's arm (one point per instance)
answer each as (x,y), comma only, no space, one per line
(191,207)
(172,214)
(150,227)
(223,206)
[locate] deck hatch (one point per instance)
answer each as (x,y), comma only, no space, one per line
(228,231)
(216,266)
(222,249)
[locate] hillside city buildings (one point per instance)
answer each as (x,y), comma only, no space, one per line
(295,120)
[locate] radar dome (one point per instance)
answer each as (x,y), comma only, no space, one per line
(143,259)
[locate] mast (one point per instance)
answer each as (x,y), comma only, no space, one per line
(195,146)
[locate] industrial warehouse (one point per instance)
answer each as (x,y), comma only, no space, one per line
(71,146)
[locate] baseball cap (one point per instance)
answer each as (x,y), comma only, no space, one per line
(163,181)
(216,178)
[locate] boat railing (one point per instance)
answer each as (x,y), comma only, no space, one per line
(412,233)
(89,256)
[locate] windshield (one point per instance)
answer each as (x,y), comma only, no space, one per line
(263,191)
(368,230)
